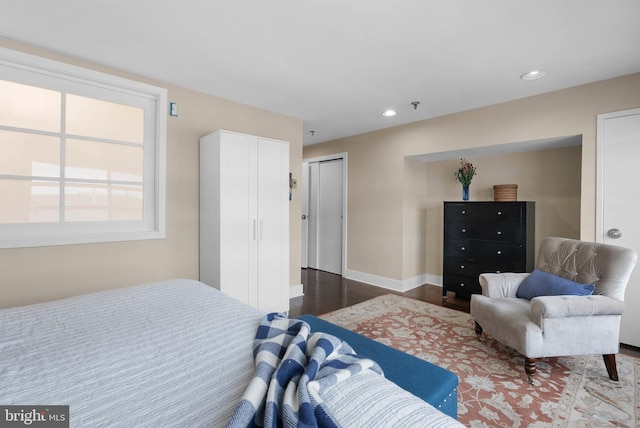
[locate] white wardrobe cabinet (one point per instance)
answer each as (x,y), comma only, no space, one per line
(244,218)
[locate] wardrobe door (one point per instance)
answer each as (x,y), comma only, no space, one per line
(224,212)
(272,225)
(236,215)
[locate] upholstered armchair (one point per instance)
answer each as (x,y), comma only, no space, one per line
(559,325)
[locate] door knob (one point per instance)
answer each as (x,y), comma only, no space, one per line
(614,233)
(304,217)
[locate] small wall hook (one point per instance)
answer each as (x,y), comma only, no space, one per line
(415,104)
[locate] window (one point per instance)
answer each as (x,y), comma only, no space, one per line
(82,155)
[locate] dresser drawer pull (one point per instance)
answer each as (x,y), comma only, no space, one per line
(461,266)
(464,230)
(499,252)
(463,248)
(499,212)
(499,232)
(498,271)
(463,212)
(462,284)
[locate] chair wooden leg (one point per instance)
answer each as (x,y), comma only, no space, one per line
(610,364)
(478,330)
(530,368)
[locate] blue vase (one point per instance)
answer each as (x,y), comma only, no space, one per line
(465,193)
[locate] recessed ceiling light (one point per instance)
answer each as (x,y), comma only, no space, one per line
(389,113)
(533,75)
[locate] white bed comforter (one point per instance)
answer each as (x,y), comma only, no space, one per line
(176,353)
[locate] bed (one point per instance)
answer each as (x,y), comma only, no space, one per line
(175,353)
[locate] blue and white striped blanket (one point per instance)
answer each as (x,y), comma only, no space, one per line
(293,369)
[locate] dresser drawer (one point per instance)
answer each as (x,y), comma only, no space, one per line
(484,250)
(462,285)
(504,232)
(473,268)
(503,212)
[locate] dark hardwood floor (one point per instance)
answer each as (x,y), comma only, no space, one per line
(326,292)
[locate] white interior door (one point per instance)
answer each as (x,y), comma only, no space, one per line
(330,216)
(324,218)
(618,154)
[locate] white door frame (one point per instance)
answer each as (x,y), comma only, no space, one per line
(305,189)
(304,185)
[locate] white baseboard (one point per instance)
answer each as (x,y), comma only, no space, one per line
(432,279)
(295,290)
(393,284)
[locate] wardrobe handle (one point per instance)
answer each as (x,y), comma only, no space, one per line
(254,228)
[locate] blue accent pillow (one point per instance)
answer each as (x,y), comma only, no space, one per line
(540,283)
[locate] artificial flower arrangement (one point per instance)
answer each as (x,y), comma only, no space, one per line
(465,172)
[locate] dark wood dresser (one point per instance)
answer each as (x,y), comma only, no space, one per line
(483,237)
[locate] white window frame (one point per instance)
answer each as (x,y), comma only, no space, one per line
(30,69)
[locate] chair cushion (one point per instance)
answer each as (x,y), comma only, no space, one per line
(508,320)
(540,283)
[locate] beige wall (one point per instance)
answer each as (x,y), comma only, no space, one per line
(382,223)
(416,212)
(29,275)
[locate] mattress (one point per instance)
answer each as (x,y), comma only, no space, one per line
(177,353)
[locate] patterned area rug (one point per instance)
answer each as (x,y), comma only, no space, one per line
(493,390)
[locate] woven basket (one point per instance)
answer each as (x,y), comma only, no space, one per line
(505,192)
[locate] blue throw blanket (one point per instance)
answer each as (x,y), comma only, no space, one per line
(293,368)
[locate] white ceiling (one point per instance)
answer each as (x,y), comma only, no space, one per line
(337,64)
